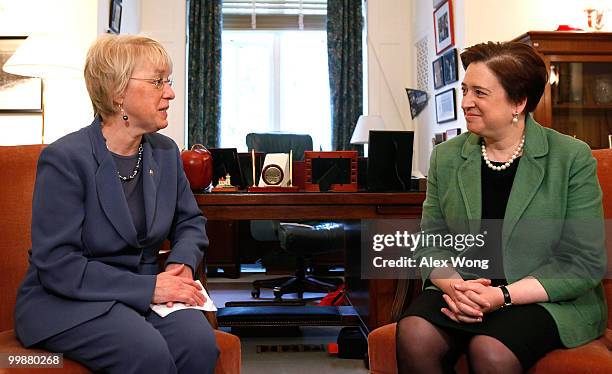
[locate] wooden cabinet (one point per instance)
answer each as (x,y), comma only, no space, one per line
(579,101)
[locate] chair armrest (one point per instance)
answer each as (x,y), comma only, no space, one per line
(201,275)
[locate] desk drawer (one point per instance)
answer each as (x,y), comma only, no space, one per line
(401,211)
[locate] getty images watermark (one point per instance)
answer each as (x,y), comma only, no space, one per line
(403,249)
(411,241)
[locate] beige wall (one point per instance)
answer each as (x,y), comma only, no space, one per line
(66,105)
(27,16)
(165,21)
(389,49)
(503,20)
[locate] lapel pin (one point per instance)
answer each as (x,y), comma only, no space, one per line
(151,172)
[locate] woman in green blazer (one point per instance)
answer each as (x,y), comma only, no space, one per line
(541,289)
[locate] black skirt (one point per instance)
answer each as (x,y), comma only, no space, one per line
(529,331)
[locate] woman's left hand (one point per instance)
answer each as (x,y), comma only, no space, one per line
(186,273)
(492,296)
(469,294)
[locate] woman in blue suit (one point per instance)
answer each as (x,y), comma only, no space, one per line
(105,199)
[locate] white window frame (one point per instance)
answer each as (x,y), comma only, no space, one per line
(285,15)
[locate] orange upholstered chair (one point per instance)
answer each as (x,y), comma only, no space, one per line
(594,357)
(17,173)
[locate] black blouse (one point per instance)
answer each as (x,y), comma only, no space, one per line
(495,187)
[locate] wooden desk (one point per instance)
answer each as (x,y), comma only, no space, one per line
(310,205)
(372,299)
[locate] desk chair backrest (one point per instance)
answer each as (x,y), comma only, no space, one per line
(17,176)
(275,142)
(280,143)
(604,174)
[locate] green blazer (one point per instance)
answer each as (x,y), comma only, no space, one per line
(555,184)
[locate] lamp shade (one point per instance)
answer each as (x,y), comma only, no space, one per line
(48,55)
(361,133)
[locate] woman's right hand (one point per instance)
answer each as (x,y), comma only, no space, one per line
(170,287)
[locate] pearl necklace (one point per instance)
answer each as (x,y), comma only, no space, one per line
(507,164)
(136,168)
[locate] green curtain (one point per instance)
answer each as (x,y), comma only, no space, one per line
(204,72)
(344,28)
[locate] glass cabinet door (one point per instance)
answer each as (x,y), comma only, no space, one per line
(581,94)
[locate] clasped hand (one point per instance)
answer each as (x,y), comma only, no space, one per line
(176,284)
(469,300)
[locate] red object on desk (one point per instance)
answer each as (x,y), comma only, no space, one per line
(567,28)
(198,166)
(312,157)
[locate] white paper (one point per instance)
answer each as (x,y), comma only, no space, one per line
(162,310)
(417,173)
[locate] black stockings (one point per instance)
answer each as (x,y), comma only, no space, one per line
(425,348)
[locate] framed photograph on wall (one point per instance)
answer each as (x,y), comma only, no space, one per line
(438,73)
(438,138)
(446,109)
(18,94)
(114,22)
(443,26)
(449,66)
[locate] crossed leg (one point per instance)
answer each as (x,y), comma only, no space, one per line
(423,347)
(488,355)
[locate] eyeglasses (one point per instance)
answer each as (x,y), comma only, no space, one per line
(157,82)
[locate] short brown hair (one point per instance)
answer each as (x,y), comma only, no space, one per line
(110,62)
(520,70)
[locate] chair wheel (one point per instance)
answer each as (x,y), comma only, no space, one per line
(278,295)
(255,293)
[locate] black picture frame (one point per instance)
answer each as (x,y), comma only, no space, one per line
(449,66)
(438,73)
(18,94)
(389,167)
(114,21)
(226,161)
(446,107)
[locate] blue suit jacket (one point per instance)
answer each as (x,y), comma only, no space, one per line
(85,254)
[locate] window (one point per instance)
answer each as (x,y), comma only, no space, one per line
(275,79)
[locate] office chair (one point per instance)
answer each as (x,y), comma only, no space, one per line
(304,240)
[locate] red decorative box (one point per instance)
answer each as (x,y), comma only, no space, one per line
(331,171)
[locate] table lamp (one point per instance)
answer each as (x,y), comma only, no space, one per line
(363,127)
(48,55)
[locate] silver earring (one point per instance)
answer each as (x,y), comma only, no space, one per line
(515,118)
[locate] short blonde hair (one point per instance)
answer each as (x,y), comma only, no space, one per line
(110,62)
